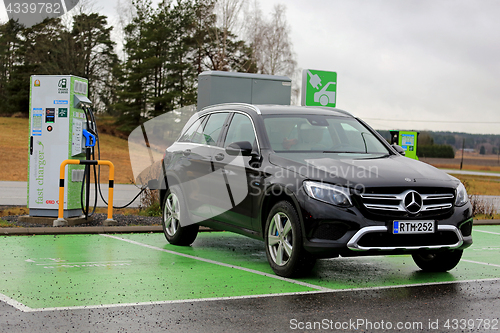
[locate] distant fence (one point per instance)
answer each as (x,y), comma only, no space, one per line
(491,201)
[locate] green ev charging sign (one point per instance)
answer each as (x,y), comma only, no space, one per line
(319,88)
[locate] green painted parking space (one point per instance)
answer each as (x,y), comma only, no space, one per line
(89,270)
(345,273)
(486,247)
(82,270)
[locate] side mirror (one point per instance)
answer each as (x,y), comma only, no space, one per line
(399,149)
(243,148)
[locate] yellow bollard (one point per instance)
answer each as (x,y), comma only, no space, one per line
(60,218)
(109,220)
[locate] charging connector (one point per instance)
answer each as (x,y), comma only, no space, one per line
(92,137)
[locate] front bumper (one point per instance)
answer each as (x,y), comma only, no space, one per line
(362,236)
(354,244)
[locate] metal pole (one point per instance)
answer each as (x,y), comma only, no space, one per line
(463,147)
(87,185)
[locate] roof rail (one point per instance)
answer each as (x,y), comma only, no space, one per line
(344,112)
(250,106)
(337,110)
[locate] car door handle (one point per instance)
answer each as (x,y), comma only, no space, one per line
(186,152)
(219,156)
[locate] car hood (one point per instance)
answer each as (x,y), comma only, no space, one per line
(360,170)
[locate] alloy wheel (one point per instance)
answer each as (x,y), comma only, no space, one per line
(280,239)
(171,214)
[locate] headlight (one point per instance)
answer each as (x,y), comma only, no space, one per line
(462,196)
(335,195)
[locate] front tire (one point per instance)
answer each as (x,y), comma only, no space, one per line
(174,209)
(439,261)
(283,237)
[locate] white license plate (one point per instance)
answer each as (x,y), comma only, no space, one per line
(413,227)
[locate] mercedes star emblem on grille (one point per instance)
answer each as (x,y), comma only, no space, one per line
(413,202)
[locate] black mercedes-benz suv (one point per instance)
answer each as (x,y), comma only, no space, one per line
(311,183)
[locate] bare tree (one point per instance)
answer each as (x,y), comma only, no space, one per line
(255,29)
(279,57)
(227,13)
(126,12)
(82,7)
(270,41)
(272,49)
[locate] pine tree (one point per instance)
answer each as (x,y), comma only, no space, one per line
(93,56)
(135,74)
(48,48)
(180,82)
(9,57)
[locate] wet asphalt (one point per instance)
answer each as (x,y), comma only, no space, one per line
(450,307)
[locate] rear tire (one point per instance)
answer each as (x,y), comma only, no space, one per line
(283,238)
(174,211)
(439,261)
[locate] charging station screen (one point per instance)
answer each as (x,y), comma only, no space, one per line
(408,141)
(50,115)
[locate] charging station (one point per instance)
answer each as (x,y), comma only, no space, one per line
(57,132)
(407,140)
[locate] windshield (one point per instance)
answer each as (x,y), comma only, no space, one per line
(319,133)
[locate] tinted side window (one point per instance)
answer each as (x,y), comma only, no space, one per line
(190,134)
(240,129)
(213,128)
(197,136)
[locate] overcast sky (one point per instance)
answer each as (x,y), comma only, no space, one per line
(412,64)
(428,61)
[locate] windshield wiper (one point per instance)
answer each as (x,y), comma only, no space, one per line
(377,155)
(343,152)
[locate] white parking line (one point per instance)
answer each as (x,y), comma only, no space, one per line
(480,263)
(24,308)
(488,232)
(305,284)
(14,303)
(83,262)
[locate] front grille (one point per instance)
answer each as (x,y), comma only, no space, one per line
(399,202)
(385,239)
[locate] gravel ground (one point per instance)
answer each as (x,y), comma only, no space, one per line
(122,220)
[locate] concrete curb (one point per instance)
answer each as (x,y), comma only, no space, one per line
(84,230)
(486,222)
(78,230)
